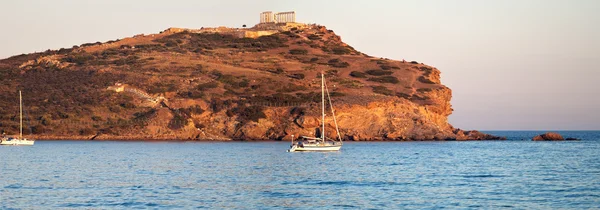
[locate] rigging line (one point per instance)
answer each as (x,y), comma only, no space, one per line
(28,121)
(333,113)
(27,117)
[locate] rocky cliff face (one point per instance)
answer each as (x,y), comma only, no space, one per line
(186,85)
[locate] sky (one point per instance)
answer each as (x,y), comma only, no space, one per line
(511,64)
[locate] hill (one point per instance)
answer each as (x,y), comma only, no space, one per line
(223,83)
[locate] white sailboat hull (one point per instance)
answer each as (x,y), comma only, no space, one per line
(326,146)
(17,142)
(318,148)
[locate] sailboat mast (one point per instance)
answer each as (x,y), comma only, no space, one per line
(21,115)
(323,105)
(333,113)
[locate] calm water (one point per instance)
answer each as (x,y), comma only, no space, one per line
(379,175)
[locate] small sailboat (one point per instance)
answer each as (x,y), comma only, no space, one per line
(319,143)
(20,140)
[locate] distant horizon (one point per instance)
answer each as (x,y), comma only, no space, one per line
(512,65)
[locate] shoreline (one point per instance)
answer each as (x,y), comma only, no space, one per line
(236,140)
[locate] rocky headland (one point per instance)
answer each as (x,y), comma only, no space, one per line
(260,83)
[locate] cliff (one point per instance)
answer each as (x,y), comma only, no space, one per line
(222,84)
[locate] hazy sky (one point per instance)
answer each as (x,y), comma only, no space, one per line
(512,64)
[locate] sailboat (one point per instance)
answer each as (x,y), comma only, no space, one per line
(20,140)
(319,143)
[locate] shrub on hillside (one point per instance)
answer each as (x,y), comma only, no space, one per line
(291,87)
(87,131)
(388,67)
(336,94)
(425,68)
(331,72)
(425,80)
(178,121)
(162,87)
(350,83)
(90,44)
(78,59)
(227,79)
(403,95)
(338,63)
(64,51)
(358,74)
(150,47)
(424,90)
(332,61)
(130,60)
(385,79)
(340,50)
(377,72)
(298,51)
(246,114)
(382,90)
(297,76)
(171,43)
(418,97)
(195,94)
(194,109)
(244,83)
(281,98)
(313,37)
(217,104)
(278,70)
(128,105)
(144,115)
(207,86)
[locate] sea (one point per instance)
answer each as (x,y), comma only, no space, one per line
(514,174)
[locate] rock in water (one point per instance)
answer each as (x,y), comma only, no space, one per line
(550,136)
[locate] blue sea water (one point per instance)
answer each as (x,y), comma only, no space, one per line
(512,174)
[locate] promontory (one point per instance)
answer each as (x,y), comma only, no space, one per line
(256,83)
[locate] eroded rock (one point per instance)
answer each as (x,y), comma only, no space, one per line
(550,136)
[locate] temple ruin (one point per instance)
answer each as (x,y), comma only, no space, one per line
(270,23)
(280,17)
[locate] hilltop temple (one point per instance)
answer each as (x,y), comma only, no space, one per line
(270,23)
(280,17)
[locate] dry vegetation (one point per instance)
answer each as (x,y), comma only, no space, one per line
(237,75)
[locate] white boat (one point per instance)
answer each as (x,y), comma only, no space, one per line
(20,140)
(323,143)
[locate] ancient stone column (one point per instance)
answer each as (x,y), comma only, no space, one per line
(262,17)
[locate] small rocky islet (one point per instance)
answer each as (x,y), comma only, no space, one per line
(552,136)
